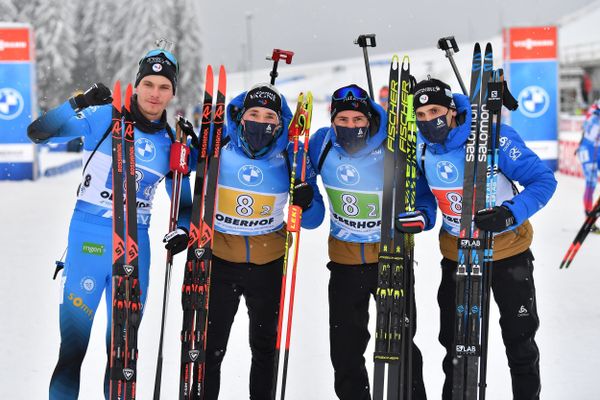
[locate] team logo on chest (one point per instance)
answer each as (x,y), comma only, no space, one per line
(446,172)
(347,175)
(145,149)
(250,175)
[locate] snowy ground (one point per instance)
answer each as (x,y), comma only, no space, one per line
(34,218)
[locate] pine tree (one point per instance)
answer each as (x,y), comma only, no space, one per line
(8,10)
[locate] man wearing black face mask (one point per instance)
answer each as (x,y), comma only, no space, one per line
(249,240)
(349,157)
(444,122)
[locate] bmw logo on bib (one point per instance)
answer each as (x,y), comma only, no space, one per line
(347,174)
(250,175)
(446,172)
(534,101)
(145,149)
(11,103)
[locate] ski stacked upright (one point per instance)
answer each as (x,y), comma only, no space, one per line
(471,243)
(393,344)
(299,127)
(126,305)
(196,281)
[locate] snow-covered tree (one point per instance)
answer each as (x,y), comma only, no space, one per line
(8,10)
(188,50)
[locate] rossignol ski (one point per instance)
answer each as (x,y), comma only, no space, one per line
(126,305)
(299,127)
(394,296)
(196,282)
(178,164)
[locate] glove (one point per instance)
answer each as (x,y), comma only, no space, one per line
(177,240)
(495,219)
(303,195)
(97,95)
(410,222)
(187,128)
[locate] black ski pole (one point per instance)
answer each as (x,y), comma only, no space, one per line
(365,41)
(449,46)
(279,55)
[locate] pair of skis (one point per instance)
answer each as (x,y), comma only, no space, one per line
(126,304)
(475,247)
(584,231)
(299,128)
(395,286)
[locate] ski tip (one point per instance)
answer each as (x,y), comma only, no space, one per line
(222,79)
(116,95)
(406,63)
(128,94)
(477,48)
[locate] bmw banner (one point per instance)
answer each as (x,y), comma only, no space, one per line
(531,66)
(18,156)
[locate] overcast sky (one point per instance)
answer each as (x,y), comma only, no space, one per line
(319,30)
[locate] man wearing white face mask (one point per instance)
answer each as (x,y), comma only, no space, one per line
(444,122)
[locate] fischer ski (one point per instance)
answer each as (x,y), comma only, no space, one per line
(299,127)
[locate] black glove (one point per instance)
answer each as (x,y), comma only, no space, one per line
(410,222)
(176,240)
(495,219)
(97,95)
(187,128)
(303,195)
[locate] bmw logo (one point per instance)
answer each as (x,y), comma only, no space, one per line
(145,149)
(446,171)
(534,101)
(250,175)
(11,103)
(347,175)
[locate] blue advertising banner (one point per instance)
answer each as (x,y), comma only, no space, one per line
(18,156)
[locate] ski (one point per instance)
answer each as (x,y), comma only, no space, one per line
(471,243)
(196,286)
(582,234)
(189,294)
(299,127)
(178,164)
(394,295)
(126,304)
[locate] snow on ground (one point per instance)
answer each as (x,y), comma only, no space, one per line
(35,219)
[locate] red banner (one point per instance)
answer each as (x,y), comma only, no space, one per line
(531,43)
(14,44)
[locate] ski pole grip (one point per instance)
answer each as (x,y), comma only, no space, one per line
(178,159)
(285,55)
(448,45)
(367,40)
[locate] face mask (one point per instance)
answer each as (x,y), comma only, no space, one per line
(351,139)
(257,137)
(436,130)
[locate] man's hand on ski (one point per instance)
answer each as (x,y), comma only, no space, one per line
(410,222)
(495,219)
(97,95)
(303,195)
(176,241)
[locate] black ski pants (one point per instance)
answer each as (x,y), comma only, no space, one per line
(514,292)
(260,285)
(350,287)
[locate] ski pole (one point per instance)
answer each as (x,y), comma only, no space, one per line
(449,46)
(277,55)
(365,41)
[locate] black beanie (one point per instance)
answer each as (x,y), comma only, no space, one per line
(348,101)
(263,95)
(157,64)
(432,91)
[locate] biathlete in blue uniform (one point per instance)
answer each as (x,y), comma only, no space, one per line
(348,155)
(249,240)
(88,265)
(588,153)
(444,122)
